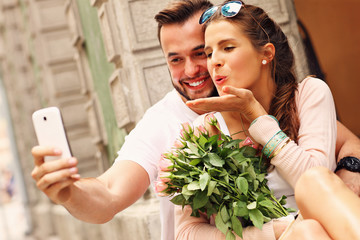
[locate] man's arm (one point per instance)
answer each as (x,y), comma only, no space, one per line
(94,200)
(348,144)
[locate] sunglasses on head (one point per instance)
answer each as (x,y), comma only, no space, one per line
(229,9)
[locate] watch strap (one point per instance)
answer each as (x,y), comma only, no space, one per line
(349,163)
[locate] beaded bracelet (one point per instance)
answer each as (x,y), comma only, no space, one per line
(271,145)
(279,148)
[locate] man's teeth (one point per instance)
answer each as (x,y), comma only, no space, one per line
(194,84)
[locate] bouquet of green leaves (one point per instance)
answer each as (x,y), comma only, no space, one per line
(213,174)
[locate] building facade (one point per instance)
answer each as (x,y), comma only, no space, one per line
(100,62)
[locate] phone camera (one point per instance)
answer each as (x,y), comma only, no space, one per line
(44,118)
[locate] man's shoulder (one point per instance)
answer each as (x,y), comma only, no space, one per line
(168,102)
(171,106)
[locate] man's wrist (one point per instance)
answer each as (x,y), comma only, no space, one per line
(349,163)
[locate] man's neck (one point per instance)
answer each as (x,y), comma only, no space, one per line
(194,110)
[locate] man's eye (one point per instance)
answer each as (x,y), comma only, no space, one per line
(200,54)
(175,60)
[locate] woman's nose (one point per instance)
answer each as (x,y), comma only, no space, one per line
(216,60)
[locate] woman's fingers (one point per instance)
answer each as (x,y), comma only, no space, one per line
(216,104)
(236,100)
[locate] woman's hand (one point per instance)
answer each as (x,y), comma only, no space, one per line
(236,100)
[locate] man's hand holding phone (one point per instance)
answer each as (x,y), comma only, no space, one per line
(55,168)
(55,177)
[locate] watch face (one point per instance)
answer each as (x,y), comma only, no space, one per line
(349,163)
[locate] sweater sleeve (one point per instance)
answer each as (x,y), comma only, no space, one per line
(200,228)
(317,132)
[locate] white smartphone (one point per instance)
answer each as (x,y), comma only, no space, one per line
(50,131)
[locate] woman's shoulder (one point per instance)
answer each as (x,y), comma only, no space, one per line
(312,83)
(313,89)
(313,86)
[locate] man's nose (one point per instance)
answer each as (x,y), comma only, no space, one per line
(191,68)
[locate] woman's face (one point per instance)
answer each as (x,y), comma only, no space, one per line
(231,58)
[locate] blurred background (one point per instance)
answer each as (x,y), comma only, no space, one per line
(100,62)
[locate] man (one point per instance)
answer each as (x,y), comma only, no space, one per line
(182,41)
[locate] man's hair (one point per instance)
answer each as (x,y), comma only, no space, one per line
(180,11)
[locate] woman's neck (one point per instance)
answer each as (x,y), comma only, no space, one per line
(236,124)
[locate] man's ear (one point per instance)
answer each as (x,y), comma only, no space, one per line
(269,52)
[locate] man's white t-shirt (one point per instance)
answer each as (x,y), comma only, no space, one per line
(155,134)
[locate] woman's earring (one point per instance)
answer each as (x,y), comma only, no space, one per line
(264,62)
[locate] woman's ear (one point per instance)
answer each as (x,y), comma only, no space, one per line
(269,52)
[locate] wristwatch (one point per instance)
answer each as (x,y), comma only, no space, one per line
(349,163)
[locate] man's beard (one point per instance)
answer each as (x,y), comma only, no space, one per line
(213,93)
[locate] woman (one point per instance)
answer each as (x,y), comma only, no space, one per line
(330,209)
(294,123)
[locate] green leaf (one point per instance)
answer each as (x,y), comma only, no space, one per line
(232,166)
(251,206)
(227,197)
(233,143)
(215,160)
(178,200)
(291,210)
(214,200)
(251,171)
(230,236)
(239,157)
(240,209)
(261,177)
(242,184)
(194,186)
(200,200)
(249,151)
(194,149)
(204,179)
(220,224)
(256,185)
(224,214)
(282,200)
(236,226)
(226,178)
(195,162)
(265,189)
(223,173)
(203,141)
(210,209)
(256,217)
(186,192)
(267,203)
(217,191)
(211,187)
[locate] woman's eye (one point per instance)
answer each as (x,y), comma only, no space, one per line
(229,48)
(208,55)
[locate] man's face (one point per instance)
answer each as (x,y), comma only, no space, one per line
(183,46)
